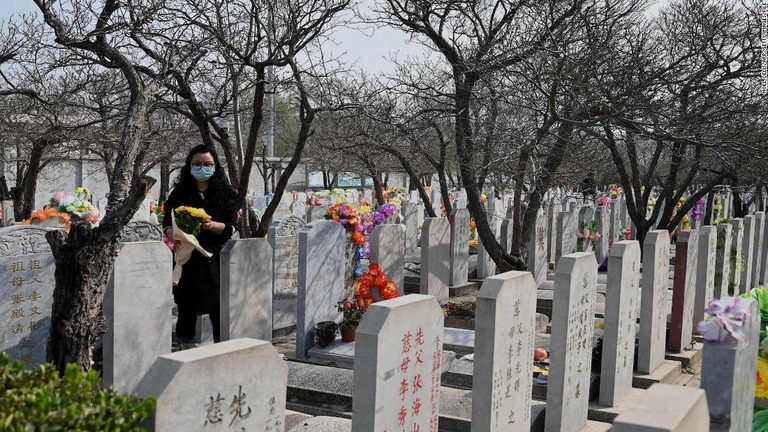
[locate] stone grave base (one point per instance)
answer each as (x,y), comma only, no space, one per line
(666,373)
(468,288)
(605,414)
(690,358)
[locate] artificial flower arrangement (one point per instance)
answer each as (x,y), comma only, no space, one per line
(158,209)
(697,211)
(186,223)
(614,190)
(77,206)
(313,201)
(48,216)
(473,234)
(724,321)
(587,236)
(604,201)
(625,234)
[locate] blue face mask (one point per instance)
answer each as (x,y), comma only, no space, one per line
(202,173)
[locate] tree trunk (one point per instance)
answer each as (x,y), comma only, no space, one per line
(165,180)
(710,204)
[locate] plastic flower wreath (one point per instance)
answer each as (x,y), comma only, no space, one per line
(724,321)
(374,279)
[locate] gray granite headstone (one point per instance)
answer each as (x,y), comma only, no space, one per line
(537,249)
(586,216)
(246,289)
(398,354)
(284,238)
(757,249)
(387,245)
(236,385)
(435,257)
(653,307)
(504,343)
(764,255)
(321,279)
(723,259)
(603,228)
(566,235)
(137,305)
(571,347)
(299,206)
(506,234)
(705,270)
(666,408)
(460,247)
(411,222)
(747,246)
(620,322)
(683,290)
(27,272)
(316,213)
(140,231)
(728,373)
(552,211)
(737,240)
(485,265)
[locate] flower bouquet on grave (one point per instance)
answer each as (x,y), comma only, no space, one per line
(587,236)
(186,222)
(352,314)
(77,206)
(48,217)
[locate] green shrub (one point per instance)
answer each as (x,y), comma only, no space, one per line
(40,400)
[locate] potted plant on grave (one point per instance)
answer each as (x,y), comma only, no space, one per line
(352,314)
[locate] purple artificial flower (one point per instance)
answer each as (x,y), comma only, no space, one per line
(724,321)
(379,218)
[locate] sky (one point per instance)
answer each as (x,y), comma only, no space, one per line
(366,49)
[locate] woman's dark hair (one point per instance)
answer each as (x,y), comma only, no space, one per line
(218,184)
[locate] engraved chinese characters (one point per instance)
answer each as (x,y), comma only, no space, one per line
(505,332)
(653,310)
(26,273)
(217,387)
(571,347)
(537,249)
(397,366)
(460,247)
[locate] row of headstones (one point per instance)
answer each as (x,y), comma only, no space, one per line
(398,363)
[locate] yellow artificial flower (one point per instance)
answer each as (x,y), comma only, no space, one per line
(364,209)
(761,380)
(686,219)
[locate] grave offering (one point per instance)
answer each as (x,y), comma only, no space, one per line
(620,321)
(246,289)
(27,275)
(137,306)
(505,337)
(217,387)
(571,347)
(653,308)
(398,358)
(284,238)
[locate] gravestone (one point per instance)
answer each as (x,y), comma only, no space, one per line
(705,270)
(435,257)
(603,228)
(398,356)
(566,235)
(728,373)
(27,272)
(683,290)
(653,302)
(504,343)
(723,259)
(411,222)
(299,206)
(283,210)
(571,347)
(764,255)
(666,408)
(614,221)
(506,234)
(246,289)
(460,247)
(552,211)
(537,249)
(368,195)
(737,261)
(387,245)
(437,200)
(217,387)
(321,279)
(142,214)
(748,246)
(137,306)
(757,249)
(140,231)
(284,238)
(485,265)
(316,213)
(586,216)
(620,320)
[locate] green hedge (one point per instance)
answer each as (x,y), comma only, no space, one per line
(40,400)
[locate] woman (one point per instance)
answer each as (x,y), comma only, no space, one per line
(201,184)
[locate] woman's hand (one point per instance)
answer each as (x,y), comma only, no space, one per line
(213,226)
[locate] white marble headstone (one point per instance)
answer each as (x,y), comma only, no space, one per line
(387,245)
(705,270)
(435,257)
(653,307)
(460,247)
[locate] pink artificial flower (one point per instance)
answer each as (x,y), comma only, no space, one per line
(59,196)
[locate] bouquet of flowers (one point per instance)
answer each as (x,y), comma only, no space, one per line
(48,217)
(77,205)
(724,321)
(186,222)
(587,236)
(374,279)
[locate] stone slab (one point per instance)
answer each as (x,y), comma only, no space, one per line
(666,408)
